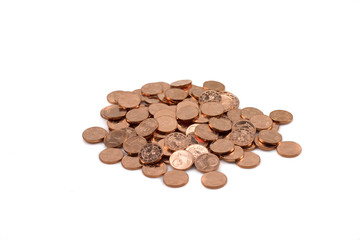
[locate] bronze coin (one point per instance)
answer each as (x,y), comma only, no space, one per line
(147,127)
(261,122)
(112,112)
(128,100)
(263,146)
(220,124)
(181,160)
(164,85)
(158,135)
(150,153)
(210,96)
(112,97)
(182,126)
(207,162)
(222,146)
(187,113)
(165,112)
(275,126)
(270,137)
(250,160)
(138,92)
(214,85)
(154,171)
(249,148)
(201,119)
(137,115)
(244,124)
(181,84)
(281,116)
(153,108)
(175,94)
(212,109)
(196,91)
(204,132)
(167,124)
(151,100)
(132,145)
(196,150)
(194,140)
(166,153)
(176,178)
(111,155)
(288,149)
(161,97)
(131,163)
(234,115)
(115,139)
(117,124)
(191,129)
(229,101)
(185,103)
(249,112)
(237,154)
(94,134)
(176,141)
(214,180)
(151,89)
(241,137)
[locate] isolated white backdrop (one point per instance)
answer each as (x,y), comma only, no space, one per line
(59,60)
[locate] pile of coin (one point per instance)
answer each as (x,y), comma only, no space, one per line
(185,126)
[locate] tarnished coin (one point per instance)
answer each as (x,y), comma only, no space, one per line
(167,124)
(207,162)
(117,124)
(147,127)
(187,113)
(196,150)
(241,137)
(132,145)
(214,85)
(210,96)
(196,91)
(249,112)
(214,180)
(212,109)
(244,124)
(281,116)
(128,100)
(181,160)
(115,139)
(175,94)
(220,124)
(166,152)
(131,163)
(204,132)
(222,146)
(263,146)
(94,134)
(113,112)
(270,137)
(191,129)
(229,101)
(261,122)
(288,149)
(151,89)
(150,153)
(237,154)
(112,97)
(250,160)
(234,115)
(111,155)
(137,115)
(176,141)
(185,84)
(154,171)
(176,178)
(153,108)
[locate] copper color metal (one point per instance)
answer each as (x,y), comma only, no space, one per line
(229,101)
(94,134)
(289,149)
(250,160)
(207,162)
(175,94)
(111,155)
(176,141)
(131,163)
(167,124)
(263,146)
(176,178)
(220,124)
(150,153)
(261,122)
(214,85)
(154,171)
(204,133)
(112,97)
(117,124)
(237,154)
(128,100)
(185,84)
(147,127)
(196,150)
(270,137)
(214,180)
(112,112)
(249,112)
(196,91)
(281,116)
(191,129)
(150,89)
(153,108)
(212,109)
(187,113)
(166,152)
(181,160)
(137,115)
(222,146)
(210,96)
(133,145)
(234,115)
(115,139)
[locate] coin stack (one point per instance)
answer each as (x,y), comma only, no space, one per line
(183,125)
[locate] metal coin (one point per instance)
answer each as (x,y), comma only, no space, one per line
(112,97)
(212,109)
(147,127)
(154,171)
(241,137)
(176,141)
(288,149)
(94,134)
(132,145)
(207,162)
(222,146)
(185,84)
(281,116)
(234,115)
(181,160)
(150,153)
(175,94)
(249,148)
(117,124)
(166,152)
(112,112)
(229,101)
(203,132)
(244,124)
(176,178)
(270,137)
(165,112)
(214,85)
(191,129)
(263,146)
(210,96)
(167,124)
(249,112)
(128,100)
(131,163)
(153,108)
(261,122)
(151,89)
(237,154)
(214,180)
(137,115)
(220,124)
(111,155)
(250,160)
(196,91)
(115,139)
(187,113)
(196,150)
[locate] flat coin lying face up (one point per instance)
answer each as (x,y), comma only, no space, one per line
(214,180)
(289,149)
(176,178)
(181,160)
(150,153)
(94,134)
(207,162)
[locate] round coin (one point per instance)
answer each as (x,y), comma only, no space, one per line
(181,84)
(153,108)
(212,109)
(250,160)
(165,151)
(167,124)
(147,127)
(214,180)
(131,163)
(154,171)
(115,139)
(137,115)
(263,146)
(191,129)
(249,112)
(207,162)
(111,155)
(132,145)
(128,99)
(181,160)
(187,113)
(150,153)
(261,122)
(234,115)
(244,125)
(281,116)
(176,178)
(229,101)
(241,137)
(176,141)
(117,124)
(94,134)
(196,150)
(112,112)
(222,146)
(150,89)
(237,154)
(270,137)
(175,94)
(196,91)
(288,149)
(220,124)
(112,97)
(210,96)
(214,85)
(204,132)
(165,112)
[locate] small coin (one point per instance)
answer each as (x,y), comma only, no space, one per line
(241,137)
(201,119)
(166,153)
(250,160)
(151,100)
(222,146)
(147,127)
(244,125)
(187,102)
(175,94)
(187,113)
(214,180)
(270,137)
(185,84)
(204,133)
(234,115)
(181,160)
(132,145)
(176,178)
(94,134)
(210,96)
(261,122)
(220,124)
(249,112)
(214,85)
(111,155)
(207,162)
(196,91)
(196,150)
(182,126)
(150,153)
(131,163)
(165,112)
(128,100)
(167,124)
(249,148)
(281,116)
(229,101)
(263,146)
(151,89)
(176,141)
(288,149)
(153,108)
(275,126)
(194,140)
(191,129)
(137,115)
(117,124)
(154,171)
(112,97)
(237,154)
(115,139)
(112,112)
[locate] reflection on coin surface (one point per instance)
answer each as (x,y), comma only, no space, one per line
(196,150)
(181,160)
(207,162)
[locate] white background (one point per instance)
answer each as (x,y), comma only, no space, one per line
(59,60)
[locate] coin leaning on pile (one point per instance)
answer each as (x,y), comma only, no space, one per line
(186,126)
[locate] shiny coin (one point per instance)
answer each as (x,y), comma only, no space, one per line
(288,149)
(207,162)
(128,100)
(176,178)
(212,109)
(132,145)
(191,129)
(270,137)
(151,100)
(151,89)
(115,139)
(196,91)
(187,113)
(249,112)
(214,85)
(185,84)
(241,137)
(154,171)
(237,154)
(137,115)
(111,155)
(234,115)
(167,124)
(112,112)
(175,94)
(204,133)
(131,163)
(94,134)
(117,124)
(249,148)
(275,126)
(150,153)
(222,146)
(281,116)
(166,152)
(196,150)
(261,122)
(176,141)
(263,146)
(181,160)
(112,97)
(147,127)
(250,160)
(220,124)
(153,108)
(244,125)
(214,180)
(165,112)
(229,101)
(210,96)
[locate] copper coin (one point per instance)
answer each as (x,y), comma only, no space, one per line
(176,178)
(128,100)
(249,112)
(187,102)
(111,155)
(150,89)
(164,85)
(204,132)
(196,150)
(288,149)
(112,97)
(175,94)
(181,160)
(115,139)
(229,101)
(201,119)
(249,148)
(158,135)
(263,146)
(117,124)
(139,93)
(182,126)
(270,137)
(214,180)
(151,100)
(210,96)
(250,160)
(220,124)
(167,124)
(154,171)
(161,97)
(275,126)
(244,124)
(281,116)
(176,141)
(207,162)
(112,112)
(234,115)
(150,153)
(196,91)
(222,146)
(94,134)
(165,112)
(137,115)
(237,154)
(187,113)
(191,129)
(131,163)
(194,140)
(214,85)
(241,137)
(147,127)
(212,109)
(132,145)
(181,84)
(261,122)
(166,153)
(153,108)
